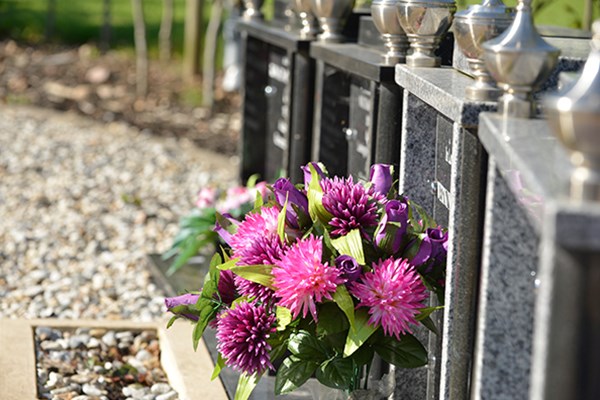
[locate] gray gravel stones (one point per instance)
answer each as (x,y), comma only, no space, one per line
(127,369)
(81,205)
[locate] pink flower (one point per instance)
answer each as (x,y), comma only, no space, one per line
(255,225)
(257,242)
(242,334)
(393,293)
(302,280)
(206,197)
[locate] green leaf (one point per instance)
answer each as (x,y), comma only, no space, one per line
(350,245)
(172,320)
(256,273)
(228,264)
(306,347)
(363,330)
(207,312)
(281,220)
(246,385)
(428,323)
(278,342)
(363,356)
(218,367)
(342,298)
(251,182)
(427,311)
(331,320)
(314,194)
(293,373)
(406,353)
(426,219)
(337,372)
(188,249)
(284,317)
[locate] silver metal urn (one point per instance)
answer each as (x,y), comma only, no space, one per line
(252,9)
(310,28)
(425,23)
(472,27)
(575,118)
(385,18)
(332,15)
(520,61)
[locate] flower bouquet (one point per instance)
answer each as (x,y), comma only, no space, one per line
(319,278)
(196,230)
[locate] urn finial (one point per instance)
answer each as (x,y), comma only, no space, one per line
(472,27)
(520,61)
(574,116)
(425,23)
(332,15)
(252,10)
(385,18)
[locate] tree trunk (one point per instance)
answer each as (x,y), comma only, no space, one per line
(106,28)
(166,27)
(141,48)
(210,52)
(192,39)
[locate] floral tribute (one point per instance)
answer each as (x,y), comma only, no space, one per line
(317,279)
(196,230)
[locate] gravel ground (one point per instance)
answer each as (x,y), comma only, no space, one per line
(87,364)
(82,204)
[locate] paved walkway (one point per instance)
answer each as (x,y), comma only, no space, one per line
(81,205)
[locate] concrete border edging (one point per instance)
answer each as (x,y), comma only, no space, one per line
(188,371)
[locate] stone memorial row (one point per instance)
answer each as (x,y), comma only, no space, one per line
(465,106)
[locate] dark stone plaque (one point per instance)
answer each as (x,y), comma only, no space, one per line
(277,93)
(443,167)
(333,145)
(253,131)
(360,131)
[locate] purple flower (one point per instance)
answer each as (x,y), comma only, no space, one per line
(434,247)
(284,189)
(307,175)
(182,301)
(242,334)
(350,268)
(392,226)
(350,204)
(381,177)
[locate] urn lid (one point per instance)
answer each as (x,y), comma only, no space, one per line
(575,114)
(488,9)
(521,36)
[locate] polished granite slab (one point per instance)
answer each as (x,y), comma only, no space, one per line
(444,89)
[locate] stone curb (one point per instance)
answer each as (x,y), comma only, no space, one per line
(188,371)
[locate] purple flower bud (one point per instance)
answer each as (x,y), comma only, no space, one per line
(350,267)
(222,231)
(434,247)
(283,189)
(307,175)
(187,299)
(381,178)
(226,287)
(392,226)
